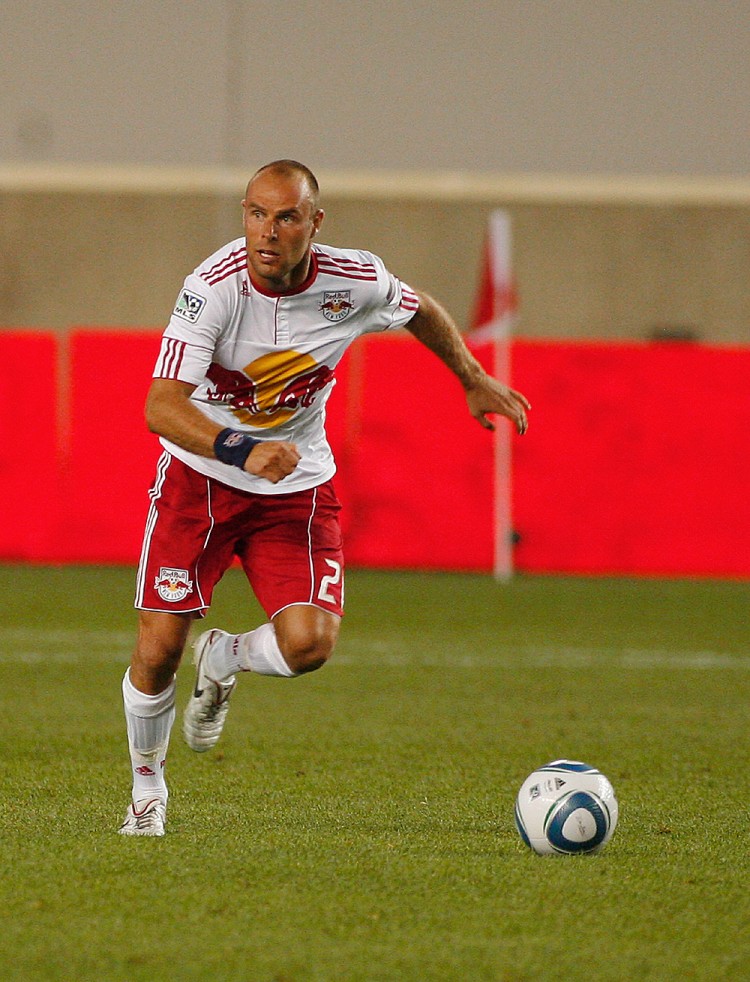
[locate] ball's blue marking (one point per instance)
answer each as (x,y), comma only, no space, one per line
(564,809)
(575,766)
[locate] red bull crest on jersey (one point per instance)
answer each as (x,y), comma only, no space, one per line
(271,389)
(336,304)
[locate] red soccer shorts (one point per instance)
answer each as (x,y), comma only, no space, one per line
(288,544)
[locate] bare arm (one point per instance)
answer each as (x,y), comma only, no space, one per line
(171,414)
(436,329)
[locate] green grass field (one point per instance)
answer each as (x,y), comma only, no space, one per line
(357,824)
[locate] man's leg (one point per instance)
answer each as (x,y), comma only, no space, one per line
(291,551)
(299,639)
(148,690)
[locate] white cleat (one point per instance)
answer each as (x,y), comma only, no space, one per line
(207,709)
(147,816)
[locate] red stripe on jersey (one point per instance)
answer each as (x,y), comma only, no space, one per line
(347,260)
(178,353)
(231,259)
(170,358)
(341,266)
(349,274)
(346,276)
(239,267)
(409,300)
(346,263)
(347,267)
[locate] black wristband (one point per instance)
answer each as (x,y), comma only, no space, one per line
(234,446)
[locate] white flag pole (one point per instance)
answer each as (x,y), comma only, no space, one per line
(502,484)
(500,241)
(499,280)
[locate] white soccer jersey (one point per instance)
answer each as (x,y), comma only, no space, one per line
(264,362)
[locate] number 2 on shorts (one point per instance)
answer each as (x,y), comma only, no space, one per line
(328,581)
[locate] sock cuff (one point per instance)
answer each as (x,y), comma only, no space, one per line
(260,653)
(141,704)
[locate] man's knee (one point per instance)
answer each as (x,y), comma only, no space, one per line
(161,641)
(306,654)
(306,636)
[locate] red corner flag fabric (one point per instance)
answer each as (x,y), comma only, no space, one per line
(496,305)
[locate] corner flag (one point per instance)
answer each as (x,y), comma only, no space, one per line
(496,306)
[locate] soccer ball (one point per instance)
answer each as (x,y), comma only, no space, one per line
(566,807)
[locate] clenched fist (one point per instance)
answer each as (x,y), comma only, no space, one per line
(272,459)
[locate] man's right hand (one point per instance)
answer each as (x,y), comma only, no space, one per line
(272,459)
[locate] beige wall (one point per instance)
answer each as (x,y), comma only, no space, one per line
(421,118)
(595,258)
(510,86)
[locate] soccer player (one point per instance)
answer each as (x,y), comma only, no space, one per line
(238,399)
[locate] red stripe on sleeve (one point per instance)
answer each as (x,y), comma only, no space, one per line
(170,358)
(409,300)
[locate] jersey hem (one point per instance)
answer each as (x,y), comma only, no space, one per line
(192,461)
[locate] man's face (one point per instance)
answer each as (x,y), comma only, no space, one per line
(280,220)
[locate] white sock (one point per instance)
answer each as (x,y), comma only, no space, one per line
(149,722)
(257,651)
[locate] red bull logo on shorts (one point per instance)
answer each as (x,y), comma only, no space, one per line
(173,585)
(271,389)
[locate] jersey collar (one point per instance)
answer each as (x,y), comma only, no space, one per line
(304,285)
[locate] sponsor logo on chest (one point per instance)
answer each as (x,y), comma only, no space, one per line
(271,389)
